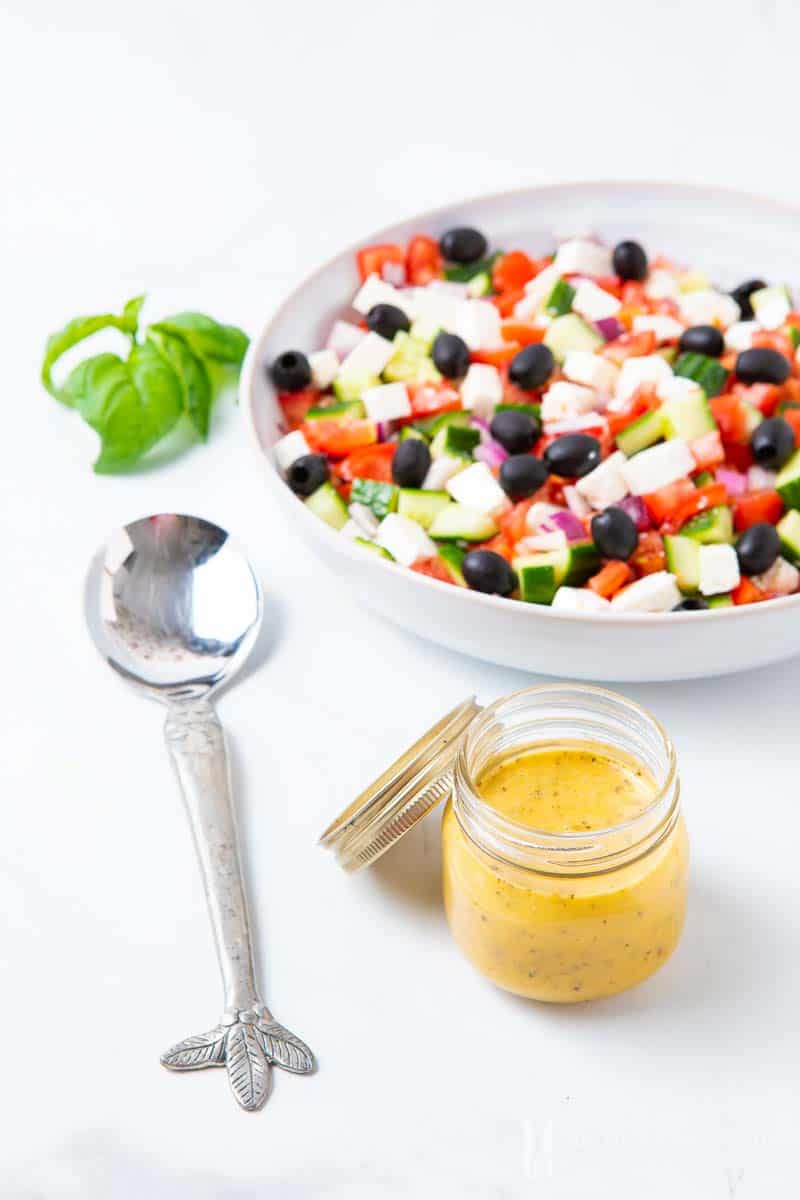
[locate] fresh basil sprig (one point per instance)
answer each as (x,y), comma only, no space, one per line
(173,372)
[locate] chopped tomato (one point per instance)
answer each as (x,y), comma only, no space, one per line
(739,457)
(703,498)
(428,399)
(633,295)
(423,261)
(667,500)
(792,415)
(746,592)
(649,557)
(731,416)
(295,405)
(773,339)
(372,260)
(506,302)
(369,462)
(754,507)
(610,578)
(339,438)
(707,450)
(521,332)
(498,357)
(433,567)
(512,524)
(500,545)
(630,345)
(512,271)
(763,396)
(610,283)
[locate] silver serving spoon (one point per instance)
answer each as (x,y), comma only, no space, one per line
(174,607)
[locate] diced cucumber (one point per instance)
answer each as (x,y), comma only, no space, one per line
(374,548)
(793,334)
(458,521)
(713,525)
(458,440)
(453,556)
(708,372)
(424,334)
(349,387)
(688,418)
(571,332)
(645,431)
(723,600)
(463,273)
(421,506)
(753,416)
(693,281)
(410,362)
(430,426)
(347,408)
(702,479)
(560,299)
(328,505)
(541,575)
(789,532)
(379,498)
(480,285)
(408,432)
(788,481)
(582,560)
(683,560)
(533,410)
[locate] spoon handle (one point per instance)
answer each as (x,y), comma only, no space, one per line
(247,1040)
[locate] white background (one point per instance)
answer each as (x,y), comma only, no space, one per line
(213,154)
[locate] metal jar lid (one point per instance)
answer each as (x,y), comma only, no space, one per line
(393,803)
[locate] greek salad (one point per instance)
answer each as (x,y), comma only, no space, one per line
(596,430)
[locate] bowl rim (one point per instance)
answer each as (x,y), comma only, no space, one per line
(344,546)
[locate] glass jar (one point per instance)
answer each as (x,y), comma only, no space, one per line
(565,916)
(560,917)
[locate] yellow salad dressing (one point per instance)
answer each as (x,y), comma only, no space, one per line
(566,937)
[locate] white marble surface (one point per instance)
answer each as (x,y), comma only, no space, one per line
(213,154)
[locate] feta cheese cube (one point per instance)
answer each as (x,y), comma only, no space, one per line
(405,540)
(654,468)
(442,469)
(719,569)
(344,337)
(375,290)
(593,303)
(566,400)
(572,599)
(581,366)
(739,336)
(536,292)
(605,484)
(662,285)
(477,488)
(678,387)
(437,306)
(709,308)
(652,593)
(289,448)
(482,389)
(666,329)
(386,402)
(579,257)
(781,579)
(368,358)
(649,368)
(771,306)
(364,518)
(478,323)
(324,367)
(575,502)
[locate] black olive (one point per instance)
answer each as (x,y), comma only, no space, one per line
(772,443)
(532,367)
(308,473)
(387,320)
(515,431)
(630,261)
(463,245)
(573,455)
(702,339)
(486,571)
(291,371)
(742,294)
(757,548)
(451,355)
(521,475)
(614,533)
(762,365)
(691,604)
(410,464)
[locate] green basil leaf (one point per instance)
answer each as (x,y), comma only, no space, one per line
(77,331)
(192,375)
(206,337)
(131,405)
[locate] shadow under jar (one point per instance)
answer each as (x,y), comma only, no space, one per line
(570,914)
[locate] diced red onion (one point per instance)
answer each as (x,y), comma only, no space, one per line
(759,479)
(734,481)
(491,453)
(636,509)
(483,425)
(385,430)
(567,523)
(610,328)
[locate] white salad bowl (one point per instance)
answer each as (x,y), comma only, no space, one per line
(729,235)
